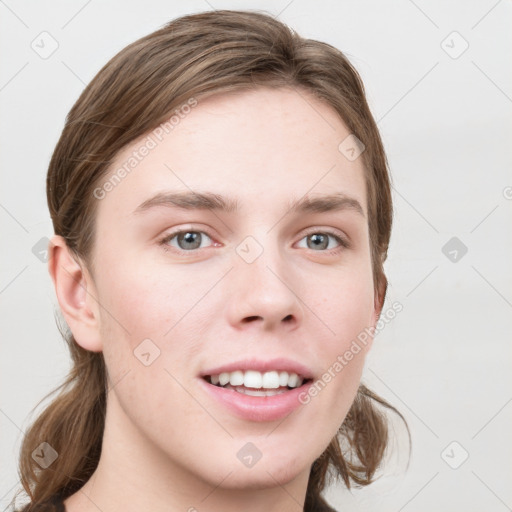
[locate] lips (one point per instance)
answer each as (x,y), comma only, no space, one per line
(256,408)
(276,403)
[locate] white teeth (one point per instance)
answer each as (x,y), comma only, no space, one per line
(251,379)
(257,380)
(283,378)
(236,378)
(270,380)
(223,378)
(292,380)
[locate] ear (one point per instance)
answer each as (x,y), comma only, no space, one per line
(380,297)
(76,295)
(378,304)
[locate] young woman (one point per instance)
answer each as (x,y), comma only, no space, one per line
(222,211)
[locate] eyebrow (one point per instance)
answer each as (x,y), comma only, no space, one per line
(216,202)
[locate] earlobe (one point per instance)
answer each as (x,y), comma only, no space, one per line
(377,308)
(380,296)
(75,293)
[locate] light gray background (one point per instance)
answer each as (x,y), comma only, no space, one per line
(444,361)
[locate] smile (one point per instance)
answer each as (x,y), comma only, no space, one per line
(254,396)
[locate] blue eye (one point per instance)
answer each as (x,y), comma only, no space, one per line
(319,241)
(187,240)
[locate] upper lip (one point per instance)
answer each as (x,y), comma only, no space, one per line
(260,365)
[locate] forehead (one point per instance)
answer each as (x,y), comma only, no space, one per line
(267,145)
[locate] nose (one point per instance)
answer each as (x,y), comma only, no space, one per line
(264,293)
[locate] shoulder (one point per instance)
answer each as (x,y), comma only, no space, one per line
(54,504)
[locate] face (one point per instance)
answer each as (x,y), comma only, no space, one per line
(188,290)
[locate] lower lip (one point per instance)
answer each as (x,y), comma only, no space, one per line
(257,408)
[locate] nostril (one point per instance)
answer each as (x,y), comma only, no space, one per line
(250,318)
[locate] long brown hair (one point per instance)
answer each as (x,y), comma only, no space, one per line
(193,57)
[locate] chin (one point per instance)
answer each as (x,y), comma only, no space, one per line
(275,470)
(260,478)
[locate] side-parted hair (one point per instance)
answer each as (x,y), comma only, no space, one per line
(195,56)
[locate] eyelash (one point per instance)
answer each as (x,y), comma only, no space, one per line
(344,244)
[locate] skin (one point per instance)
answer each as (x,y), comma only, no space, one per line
(167,445)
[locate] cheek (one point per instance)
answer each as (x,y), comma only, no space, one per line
(331,395)
(141,301)
(149,325)
(347,306)
(143,329)
(347,313)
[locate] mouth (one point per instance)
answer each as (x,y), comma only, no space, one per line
(258,384)
(253,400)
(258,390)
